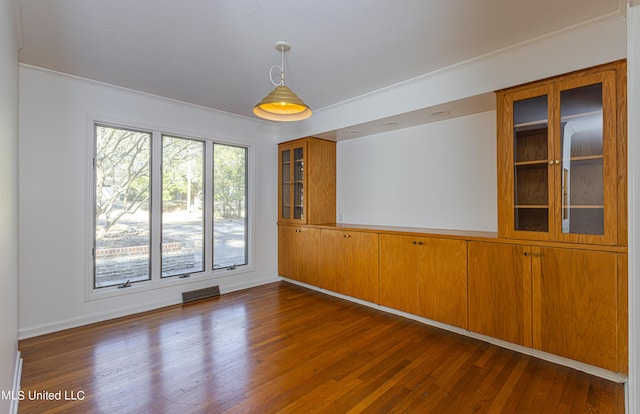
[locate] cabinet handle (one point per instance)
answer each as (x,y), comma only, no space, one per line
(557,162)
(346,236)
(415,242)
(526,253)
(420,243)
(550,162)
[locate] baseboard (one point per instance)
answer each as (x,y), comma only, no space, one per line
(580,366)
(17,376)
(44,329)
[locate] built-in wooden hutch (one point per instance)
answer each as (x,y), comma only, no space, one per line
(554,276)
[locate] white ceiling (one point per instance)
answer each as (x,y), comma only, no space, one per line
(217,53)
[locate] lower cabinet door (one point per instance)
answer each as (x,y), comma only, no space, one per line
(299,253)
(575,305)
(398,272)
(500,291)
(350,263)
(442,280)
(362,265)
(333,270)
(425,276)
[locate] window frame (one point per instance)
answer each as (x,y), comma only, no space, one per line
(157,281)
(97,125)
(205,190)
(246,201)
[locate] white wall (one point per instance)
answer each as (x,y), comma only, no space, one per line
(451,163)
(8,200)
(53,117)
(439,175)
(540,58)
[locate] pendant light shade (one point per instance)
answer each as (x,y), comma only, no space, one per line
(282,104)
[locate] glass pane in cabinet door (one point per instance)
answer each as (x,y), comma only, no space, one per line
(298,183)
(531,170)
(286,184)
(581,131)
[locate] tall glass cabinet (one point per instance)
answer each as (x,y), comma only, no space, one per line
(557,159)
(306,180)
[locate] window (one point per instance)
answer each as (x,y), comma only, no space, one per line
(122,206)
(229,206)
(182,194)
(153,195)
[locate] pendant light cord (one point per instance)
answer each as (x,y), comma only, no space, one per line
(281,67)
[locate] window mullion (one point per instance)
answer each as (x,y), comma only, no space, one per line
(156,205)
(208,207)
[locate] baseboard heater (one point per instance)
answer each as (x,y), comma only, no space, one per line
(200,294)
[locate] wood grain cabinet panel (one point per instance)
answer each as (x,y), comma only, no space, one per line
(442,281)
(307,181)
(563,301)
(500,291)
(575,305)
(562,158)
(299,253)
(623,315)
(425,276)
(350,263)
(334,267)
(398,272)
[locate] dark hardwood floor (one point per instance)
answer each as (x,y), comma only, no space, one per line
(284,348)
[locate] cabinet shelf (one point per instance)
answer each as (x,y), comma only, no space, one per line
(541,123)
(580,115)
(586,158)
(534,162)
(545,122)
(585,206)
(542,163)
(537,206)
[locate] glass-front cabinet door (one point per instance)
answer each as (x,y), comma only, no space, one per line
(558,158)
(528,144)
(292,202)
(532,211)
(586,159)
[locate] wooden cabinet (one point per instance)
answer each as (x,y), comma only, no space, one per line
(299,253)
(575,305)
(556,277)
(399,272)
(500,291)
(559,173)
(425,276)
(442,281)
(350,263)
(307,181)
(563,301)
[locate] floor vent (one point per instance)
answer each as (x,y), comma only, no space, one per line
(200,294)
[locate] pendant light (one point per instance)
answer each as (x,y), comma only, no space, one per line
(282,104)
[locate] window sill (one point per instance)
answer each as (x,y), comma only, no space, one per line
(165,283)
